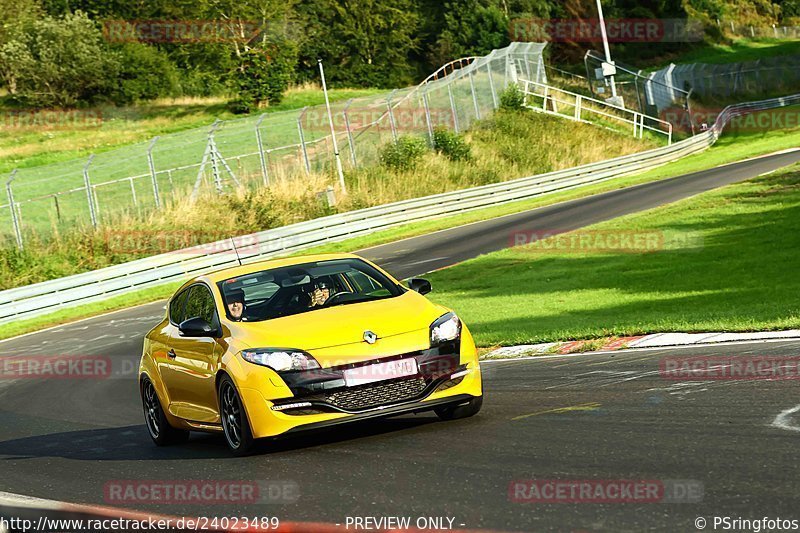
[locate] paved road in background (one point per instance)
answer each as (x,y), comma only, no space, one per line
(605,416)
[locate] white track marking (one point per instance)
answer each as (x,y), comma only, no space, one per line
(784,420)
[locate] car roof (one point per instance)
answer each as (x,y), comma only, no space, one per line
(250,268)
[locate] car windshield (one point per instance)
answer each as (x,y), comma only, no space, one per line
(297,289)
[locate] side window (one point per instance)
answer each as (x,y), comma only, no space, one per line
(363,283)
(200,303)
(177,307)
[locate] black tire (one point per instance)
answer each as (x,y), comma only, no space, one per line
(464,410)
(235,425)
(159,428)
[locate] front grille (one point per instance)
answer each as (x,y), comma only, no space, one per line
(374,395)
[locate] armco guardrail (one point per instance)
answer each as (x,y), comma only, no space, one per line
(33,300)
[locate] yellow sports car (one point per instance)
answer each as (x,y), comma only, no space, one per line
(281,346)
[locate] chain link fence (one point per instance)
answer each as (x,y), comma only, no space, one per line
(688,94)
(648,93)
(780,74)
(774,31)
(256,151)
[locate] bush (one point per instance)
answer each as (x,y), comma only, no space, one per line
(59,62)
(253,211)
(145,73)
(451,145)
(512,98)
(404,154)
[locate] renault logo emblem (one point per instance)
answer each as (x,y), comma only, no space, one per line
(370,337)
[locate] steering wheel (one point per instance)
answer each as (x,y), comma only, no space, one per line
(336,297)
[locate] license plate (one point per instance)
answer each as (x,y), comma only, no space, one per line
(380,372)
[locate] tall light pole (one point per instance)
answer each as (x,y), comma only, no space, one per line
(333,130)
(615,99)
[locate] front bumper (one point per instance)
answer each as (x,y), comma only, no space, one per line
(321,398)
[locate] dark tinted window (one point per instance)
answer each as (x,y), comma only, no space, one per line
(307,287)
(200,304)
(176,308)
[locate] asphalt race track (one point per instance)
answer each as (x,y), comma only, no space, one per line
(596,416)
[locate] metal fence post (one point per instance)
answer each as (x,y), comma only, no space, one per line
(58,207)
(89,190)
(13,206)
(452,107)
(507,70)
(474,96)
(336,154)
(427,114)
(133,192)
(390,108)
(261,155)
(350,139)
(215,171)
(151,164)
(303,139)
(491,82)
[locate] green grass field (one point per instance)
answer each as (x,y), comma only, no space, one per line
(24,147)
(739,50)
(727,265)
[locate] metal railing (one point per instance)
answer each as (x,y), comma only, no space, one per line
(41,298)
(575,107)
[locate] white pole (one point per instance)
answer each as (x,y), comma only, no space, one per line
(605,46)
(12,205)
(333,130)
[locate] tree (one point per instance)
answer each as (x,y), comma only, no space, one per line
(471,28)
(264,74)
(58,62)
(363,42)
(15,15)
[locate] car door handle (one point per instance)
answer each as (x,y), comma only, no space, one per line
(171,354)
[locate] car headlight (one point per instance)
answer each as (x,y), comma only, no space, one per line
(281,359)
(445,328)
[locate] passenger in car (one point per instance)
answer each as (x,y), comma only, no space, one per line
(236,305)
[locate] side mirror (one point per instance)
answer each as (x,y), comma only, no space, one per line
(422,286)
(196,327)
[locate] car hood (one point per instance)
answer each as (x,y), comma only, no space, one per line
(342,325)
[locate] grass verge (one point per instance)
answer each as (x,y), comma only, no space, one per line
(734,274)
(730,148)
